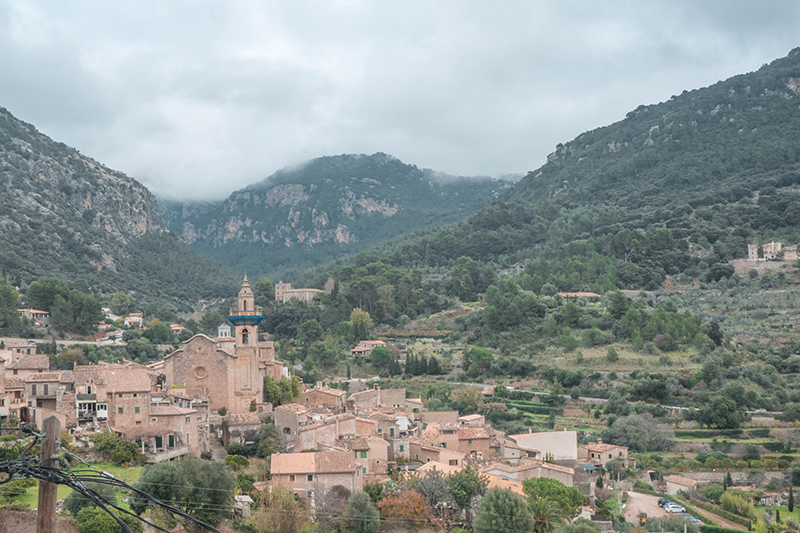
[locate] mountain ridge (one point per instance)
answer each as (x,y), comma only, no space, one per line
(328,207)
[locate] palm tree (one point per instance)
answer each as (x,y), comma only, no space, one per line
(547,514)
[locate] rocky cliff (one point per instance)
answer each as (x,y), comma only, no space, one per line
(65,214)
(328,207)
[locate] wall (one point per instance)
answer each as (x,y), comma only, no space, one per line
(12,521)
(562,444)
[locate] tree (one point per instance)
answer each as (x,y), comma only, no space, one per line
(361,322)
(546,513)
(580,525)
(76,501)
(465,484)
(8,308)
(210,322)
(502,510)
(722,413)
(309,332)
(159,333)
(199,488)
(640,433)
(97,520)
(325,354)
(381,358)
(568,499)
(278,511)
(121,304)
(362,515)
(41,294)
(263,292)
(790,504)
(332,509)
(409,510)
(611,355)
(752,453)
(433,487)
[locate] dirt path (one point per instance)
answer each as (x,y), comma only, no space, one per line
(642,503)
(721,521)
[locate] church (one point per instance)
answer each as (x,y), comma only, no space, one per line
(227,371)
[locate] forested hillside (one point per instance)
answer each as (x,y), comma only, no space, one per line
(324,209)
(678,187)
(64,214)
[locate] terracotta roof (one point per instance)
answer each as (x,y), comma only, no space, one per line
(475,433)
(441,467)
(294,407)
(31,362)
(680,480)
(496,482)
(600,448)
(14,383)
(118,379)
(470,418)
(242,419)
(170,410)
(312,463)
(327,390)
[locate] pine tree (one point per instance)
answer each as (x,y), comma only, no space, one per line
(599,483)
(791,500)
(729,479)
(778,516)
(348,371)
(724,483)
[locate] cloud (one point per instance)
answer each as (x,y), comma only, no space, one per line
(198,98)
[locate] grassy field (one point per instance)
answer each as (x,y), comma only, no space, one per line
(129,475)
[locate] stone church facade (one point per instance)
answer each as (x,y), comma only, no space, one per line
(228,370)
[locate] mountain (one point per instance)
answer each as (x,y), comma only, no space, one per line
(675,188)
(324,209)
(64,214)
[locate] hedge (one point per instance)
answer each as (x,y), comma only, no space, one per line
(727,515)
(705,433)
(718,529)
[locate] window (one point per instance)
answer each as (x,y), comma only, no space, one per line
(88,389)
(363,455)
(291,478)
(187,439)
(469,442)
(391,432)
(416,410)
(138,422)
(171,441)
(454,462)
(592,456)
(137,409)
(377,462)
(417,457)
(444,445)
(134,395)
(188,419)
(364,470)
(46,389)
(402,448)
(610,456)
(311,477)
(120,410)
(33,390)
(620,454)
(380,430)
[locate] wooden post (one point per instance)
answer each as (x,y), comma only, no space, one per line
(48,492)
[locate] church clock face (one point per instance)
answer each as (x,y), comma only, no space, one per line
(200,372)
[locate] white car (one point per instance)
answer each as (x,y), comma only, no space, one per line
(674,508)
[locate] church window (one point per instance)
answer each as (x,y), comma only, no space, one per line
(245,336)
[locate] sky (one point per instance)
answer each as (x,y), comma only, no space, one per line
(198,98)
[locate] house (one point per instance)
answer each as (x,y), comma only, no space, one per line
(176,329)
(442,468)
(25,365)
(227,371)
(371,455)
(423,453)
(15,397)
(479,442)
(601,453)
(472,420)
(439,416)
(365,348)
(285,293)
(37,317)
(531,469)
(676,483)
(241,428)
(771,250)
(319,396)
(561,445)
(377,397)
(42,389)
(312,475)
(134,319)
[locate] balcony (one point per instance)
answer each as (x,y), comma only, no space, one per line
(250,317)
(86,397)
(167,455)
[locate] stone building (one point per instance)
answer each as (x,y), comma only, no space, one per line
(327,397)
(422,453)
(285,293)
(227,371)
(771,250)
(24,364)
(531,469)
(600,453)
(562,445)
(312,475)
(371,455)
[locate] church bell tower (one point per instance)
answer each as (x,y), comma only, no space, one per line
(246,317)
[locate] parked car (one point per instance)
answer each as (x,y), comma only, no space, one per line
(663,501)
(693,519)
(672,507)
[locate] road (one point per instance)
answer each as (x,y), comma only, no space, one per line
(642,503)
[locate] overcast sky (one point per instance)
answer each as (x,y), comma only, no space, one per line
(198,98)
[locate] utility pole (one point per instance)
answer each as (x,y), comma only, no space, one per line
(48,492)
